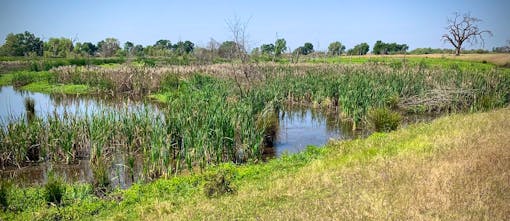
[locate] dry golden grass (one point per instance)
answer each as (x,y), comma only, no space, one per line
(456,168)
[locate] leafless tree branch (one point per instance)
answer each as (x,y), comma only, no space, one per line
(464,28)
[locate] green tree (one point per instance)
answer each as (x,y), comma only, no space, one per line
(228,49)
(389,48)
(185,47)
(58,47)
(22,44)
(163,44)
(360,49)
(267,49)
(108,47)
(138,50)
(336,48)
(85,48)
(280,46)
(307,48)
(129,48)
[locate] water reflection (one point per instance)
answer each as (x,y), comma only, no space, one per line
(120,175)
(301,127)
(12,104)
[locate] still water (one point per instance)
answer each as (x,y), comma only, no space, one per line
(12,104)
(302,127)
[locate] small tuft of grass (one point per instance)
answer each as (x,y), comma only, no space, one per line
(5,79)
(219,182)
(4,192)
(54,189)
(384,120)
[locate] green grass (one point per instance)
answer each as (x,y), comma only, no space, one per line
(43,82)
(407,169)
(45,87)
(409,60)
(6,79)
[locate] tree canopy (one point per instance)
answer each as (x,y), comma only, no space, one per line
(228,49)
(85,48)
(307,48)
(185,47)
(267,49)
(336,48)
(280,46)
(22,44)
(108,47)
(58,47)
(360,49)
(389,48)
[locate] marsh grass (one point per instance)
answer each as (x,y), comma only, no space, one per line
(216,113)
(22,78)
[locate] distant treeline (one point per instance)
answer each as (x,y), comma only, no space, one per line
(27,44)
(451,51)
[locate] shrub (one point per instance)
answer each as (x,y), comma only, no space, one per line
(383,119)
(219,182)
(21,79)
(54,189)
(4,191)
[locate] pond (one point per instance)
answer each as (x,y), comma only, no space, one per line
(297,128)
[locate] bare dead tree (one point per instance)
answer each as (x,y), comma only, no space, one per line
(464,29)
(237,28)
(212,46)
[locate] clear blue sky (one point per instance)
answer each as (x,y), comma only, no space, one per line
(416,23)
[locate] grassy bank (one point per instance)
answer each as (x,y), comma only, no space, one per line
(45,87)
(43,82)
(453,168)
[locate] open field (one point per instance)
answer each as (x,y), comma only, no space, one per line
(500,60)
(497,59)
